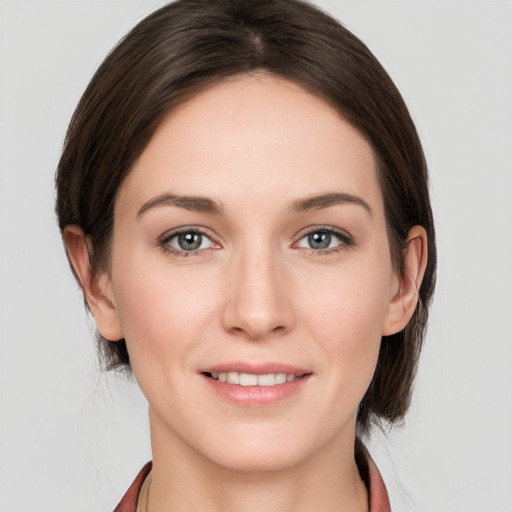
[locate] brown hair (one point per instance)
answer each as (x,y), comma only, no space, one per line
(189,45)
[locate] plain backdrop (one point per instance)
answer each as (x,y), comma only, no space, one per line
(72,438)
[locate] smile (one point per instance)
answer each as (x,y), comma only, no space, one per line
(249,379)
(250,384)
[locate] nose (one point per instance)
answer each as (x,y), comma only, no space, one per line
(258,300)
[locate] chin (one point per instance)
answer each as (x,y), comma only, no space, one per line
(258,451)
(257,461)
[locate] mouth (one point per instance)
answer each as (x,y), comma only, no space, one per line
(254,384)
(251,379)
(250,384)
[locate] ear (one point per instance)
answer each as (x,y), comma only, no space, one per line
(405,299)
(96,287)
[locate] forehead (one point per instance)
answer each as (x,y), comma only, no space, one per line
(252,137)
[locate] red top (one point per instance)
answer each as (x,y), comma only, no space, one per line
(379,501)
(130,499)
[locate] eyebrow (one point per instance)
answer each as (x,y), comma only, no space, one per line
(318,202)
(206,205)
(193,203)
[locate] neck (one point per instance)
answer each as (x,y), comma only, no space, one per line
(184,480)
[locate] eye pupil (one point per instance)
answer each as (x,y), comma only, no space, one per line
(190,241)
(319,240)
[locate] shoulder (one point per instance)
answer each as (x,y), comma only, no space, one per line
(130,499)
(379,500)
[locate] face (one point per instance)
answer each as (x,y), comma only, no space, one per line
(251,275)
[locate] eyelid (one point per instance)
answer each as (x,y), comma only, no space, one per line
(163,240)
(346,239)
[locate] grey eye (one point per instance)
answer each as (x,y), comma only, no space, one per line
(320,240)
(189,241)
(323,239)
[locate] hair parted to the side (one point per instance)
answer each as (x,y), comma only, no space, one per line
(189,45)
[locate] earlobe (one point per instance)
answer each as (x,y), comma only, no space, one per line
(403,303)
(96,287)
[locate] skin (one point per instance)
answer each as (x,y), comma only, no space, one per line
(255,291)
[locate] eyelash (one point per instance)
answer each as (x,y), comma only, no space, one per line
(164,242)
(345,241)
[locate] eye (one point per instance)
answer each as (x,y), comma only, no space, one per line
(187,241)
(324,239)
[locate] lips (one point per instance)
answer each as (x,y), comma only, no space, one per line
(251,384)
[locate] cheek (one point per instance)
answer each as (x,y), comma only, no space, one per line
(350,304)
(350,335)
(345,317)
(162,313)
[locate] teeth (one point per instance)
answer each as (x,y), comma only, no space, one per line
(234,378)
(249,379)
(267,380)
(281,378)
(246,379)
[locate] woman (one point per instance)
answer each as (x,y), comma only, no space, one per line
(244,201)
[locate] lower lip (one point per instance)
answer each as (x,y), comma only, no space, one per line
(254,396)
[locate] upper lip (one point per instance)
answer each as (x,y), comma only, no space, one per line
(255,368)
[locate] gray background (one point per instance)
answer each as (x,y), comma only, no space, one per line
(73,439)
